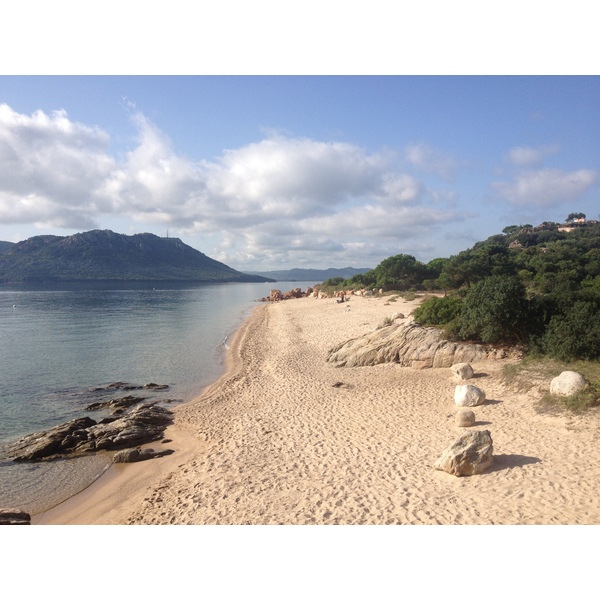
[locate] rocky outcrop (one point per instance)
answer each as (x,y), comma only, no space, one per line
(145,423)
(120,385)
(295,293)
(470,454)
(116,404)
(278,295)
(410,345)
(567,383)
(468,395)
(10,516)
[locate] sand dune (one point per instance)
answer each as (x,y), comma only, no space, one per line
(284,437)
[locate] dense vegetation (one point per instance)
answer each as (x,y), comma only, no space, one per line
(104,255)
(537,286)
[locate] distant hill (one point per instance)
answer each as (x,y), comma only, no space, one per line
(5,247)
(310,274)
(107,256)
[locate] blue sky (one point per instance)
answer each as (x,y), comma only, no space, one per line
(266,172)
(315,135)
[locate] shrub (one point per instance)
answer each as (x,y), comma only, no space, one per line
(386,323)
(438,311)
(495,310)
(574,334)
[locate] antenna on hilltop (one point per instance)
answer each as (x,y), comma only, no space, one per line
(167,233)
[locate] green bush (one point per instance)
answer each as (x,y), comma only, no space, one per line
(438,311)
(495,310)
(574,334)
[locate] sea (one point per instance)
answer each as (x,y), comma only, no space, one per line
(59,344)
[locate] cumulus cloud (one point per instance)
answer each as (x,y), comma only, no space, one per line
(546,187)
(53,169)
(280,200)
(525,156)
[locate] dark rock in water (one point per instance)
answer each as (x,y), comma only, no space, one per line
(9,516)
(155,386)
(115,403)
(136,455)
(117,385)
(51,442)
(127,387)
(145,423)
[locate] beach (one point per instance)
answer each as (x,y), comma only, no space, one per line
(283,437)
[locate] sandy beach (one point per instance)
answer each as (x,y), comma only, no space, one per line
(285,438)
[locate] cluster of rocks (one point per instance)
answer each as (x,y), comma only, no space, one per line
(472,452)
(145,423)
(278,295)
(318,293)
(115,405)
(120,385)
(410,345)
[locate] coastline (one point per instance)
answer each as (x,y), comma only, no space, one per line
(283,437)
(106,500)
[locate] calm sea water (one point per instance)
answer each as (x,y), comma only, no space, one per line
(58,344)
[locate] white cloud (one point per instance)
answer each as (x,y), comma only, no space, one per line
(53,170)
(525,156)
(546,187)
(280,200)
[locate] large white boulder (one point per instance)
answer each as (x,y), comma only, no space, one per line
(462,371)
(567,383)
(468,395)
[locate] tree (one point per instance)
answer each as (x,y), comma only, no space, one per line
(573,216)
(399,272)
(495,310)
(574,334)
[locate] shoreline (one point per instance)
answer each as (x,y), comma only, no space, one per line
(106,499)
(284,438)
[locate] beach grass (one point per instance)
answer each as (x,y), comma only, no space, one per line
(536,372)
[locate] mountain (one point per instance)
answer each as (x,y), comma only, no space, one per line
(5,247)
(107,256)
(310,274)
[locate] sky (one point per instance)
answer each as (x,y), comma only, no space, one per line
(268,171)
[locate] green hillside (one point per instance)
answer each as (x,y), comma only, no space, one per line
(107,256)
(535,286)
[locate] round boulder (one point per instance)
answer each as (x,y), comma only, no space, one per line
(468,395)
(464,418)
(567,383)
(462,371)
